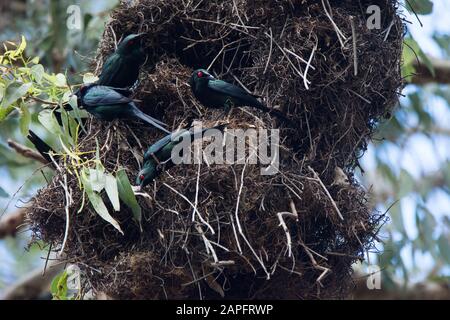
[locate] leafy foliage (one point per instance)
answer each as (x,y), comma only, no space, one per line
(28,80)
(419,230)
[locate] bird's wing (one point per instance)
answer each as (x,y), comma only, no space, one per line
(108,73)
(232,91)
(103,95)
(158,145)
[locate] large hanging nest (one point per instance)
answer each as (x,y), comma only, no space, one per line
(212,231)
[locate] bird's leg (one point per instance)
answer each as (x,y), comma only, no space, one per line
(226,111)
(228,106)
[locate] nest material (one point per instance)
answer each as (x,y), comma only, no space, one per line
(277,236)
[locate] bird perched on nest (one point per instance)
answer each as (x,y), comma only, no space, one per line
(215,93)
(158,157)
(108,104)
(121,68)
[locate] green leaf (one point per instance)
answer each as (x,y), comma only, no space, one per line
(412,51)
(25,119)
(35,60)
(444,248)
(2,91)
(13,92)
(66,128)
(22,46)
(89,78)
(420,6)
(37,71)
(58,286)
(48,120)
(397,218)
(60,80)
(126,194)
(76,111)
(112,191)
(97,179)
(98,204)
(3,193)
(406,183)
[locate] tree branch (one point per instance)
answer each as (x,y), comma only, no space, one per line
(11,223)
(33,285)
(424,76)
(26,152)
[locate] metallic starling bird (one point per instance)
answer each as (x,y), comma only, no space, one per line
(108,104)
(215,93)
(158,157)
(121,68)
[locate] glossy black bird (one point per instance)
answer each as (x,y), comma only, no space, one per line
(43,148)
(121,68)
(215,93)
(106,103)
(158,156)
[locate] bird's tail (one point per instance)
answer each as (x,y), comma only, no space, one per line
(154,122)
(218,127)
(42,147)
(275,112)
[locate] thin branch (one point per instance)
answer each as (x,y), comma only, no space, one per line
(423,75)
(317,178)
(26,152)
(10,224)
(34,284)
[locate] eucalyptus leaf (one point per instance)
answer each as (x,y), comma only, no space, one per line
(60,80)
(97,180)
(25,119)
(97,203)
(444,248)
(37,71)
(420,6)
(48,120)
(76,111)
(127,195)
(112,191)
(13,92)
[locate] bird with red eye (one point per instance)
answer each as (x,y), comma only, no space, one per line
(158,156)
(218,94)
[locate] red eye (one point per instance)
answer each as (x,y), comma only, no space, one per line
(199,74)
(141,177)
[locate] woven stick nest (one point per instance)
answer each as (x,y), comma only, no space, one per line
(226,231)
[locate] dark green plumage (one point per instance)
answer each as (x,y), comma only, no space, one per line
(158,156)
(121,68)
(106,103)
(215,93)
